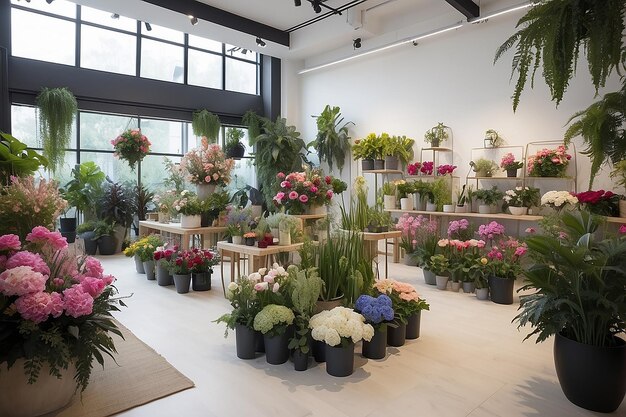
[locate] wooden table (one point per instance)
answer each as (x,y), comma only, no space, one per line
(375,237)
(147,226)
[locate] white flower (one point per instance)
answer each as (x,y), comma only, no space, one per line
(263,271)
(232,286)
(255,276)
(276,287)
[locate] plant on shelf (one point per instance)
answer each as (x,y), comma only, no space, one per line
(131,146)
(306,286)
(548,162)
(57,109)
(254,123)
(522,197)
(423,188)
(143,201)
(604,203)
(299,191)
(234,148)
(364,148)
(437,134)
(207,164)
(441,192)
(489,196)
(206,124)
(414,168)
(463,196)
(400,147)
(389,188)
(484,167)
(332,142)
(175,179)
(188,204)
(493,139)
(508,162)
(405,188)
(445,169)
(427,168)
(558,199)
(17,160)
(379,221)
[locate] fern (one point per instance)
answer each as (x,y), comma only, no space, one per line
(57,109)
(205,123)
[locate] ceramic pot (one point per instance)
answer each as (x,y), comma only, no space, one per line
(518,211)
(190,222)
(409,259)
(237,240)
(448,208)
(244,342)
(429,277)
(201,281)
(250,241)
(321,305)
(389,202)
(182,282)
(482,293)
(484,209)
(455,286)
(148,266)
(418,202)
(406,204)
(460,209)
(468,287)
(367,164)
(396,336)
(442,282)
(340,360)
(431,207)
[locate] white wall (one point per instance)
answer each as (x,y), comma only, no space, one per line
(450,78)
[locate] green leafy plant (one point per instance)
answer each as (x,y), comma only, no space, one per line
(332,142)
(57,110)
(619,173)
(306,286)
(143,199)
(437,134)
(103,228)
(389,188)
(17,160)
(254,123)
(84,188)
(484,167)
(233,141)
(405,188)
(400,146)
(441,192)
(494,138)
(245,305)
(438,264)
(88,226)
(205,123)
(489,196)
(116,204)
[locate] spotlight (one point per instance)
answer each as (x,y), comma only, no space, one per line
(49,1)
(317,8)
(148,27)
(193,19)
(115,16)
(298,3)
(356,43)
(244,51)
(260,42)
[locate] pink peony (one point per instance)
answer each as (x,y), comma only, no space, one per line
(303,198)
(26,258)
(92,267)
(40,234)
(293,195)
(622,229)
(10,242)
(21,280)
(34,307)
(93,286)
(108,279)
(329,194)
(77,302)
(55,306)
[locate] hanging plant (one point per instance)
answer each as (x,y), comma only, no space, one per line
(332,142)
(57,109)
(552,35)
(206,124)
(254,123)
(131,146)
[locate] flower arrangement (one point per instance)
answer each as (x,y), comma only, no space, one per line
(460,229)
(376,310)
(268,284)
(165,201)
(340,326)
(245,305)
(445,169)
(558,199)
(508,162)
(164,254)
(187,204)
(131,146)
(548,162)
(204,260)
(427,168)
(249,235)
(273,320)
(460,254)
(47,298)
(207,164)
(36,202)
(415,231)
(604,203)
(404,297)
(504,258)
(414,168)
(522,197)
(490,230)
(193,260)
(299,190)
(145,247)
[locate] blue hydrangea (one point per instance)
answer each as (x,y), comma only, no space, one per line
(375,310)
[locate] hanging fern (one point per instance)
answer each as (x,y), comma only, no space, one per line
(205,123)
(602,127)
(552,34)
(57,109)
(254,122)
(332,142)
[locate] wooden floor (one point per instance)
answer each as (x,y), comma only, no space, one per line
(469,361)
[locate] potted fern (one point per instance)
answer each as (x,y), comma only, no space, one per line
(206,124)
(332,142)
(57,110)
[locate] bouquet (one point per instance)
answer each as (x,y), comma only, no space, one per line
(445,169)
(187,204)
(131,146)
(340,326)
(204,260)
(376,310)
(558,199)
(207,165)
(522,197)
(508,162)
(604,203)
(427,168)
(188,261)
(548,162)
(406,300)
(299,190)
(47,299)
(414,168)
(273,320)
(268,284)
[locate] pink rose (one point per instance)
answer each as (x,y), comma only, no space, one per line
(293,195)
(280,175)
(313,189)
(303,198)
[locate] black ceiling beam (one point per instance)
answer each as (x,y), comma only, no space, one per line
(467,7)
(223,18)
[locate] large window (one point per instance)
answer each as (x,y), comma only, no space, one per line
(108,42)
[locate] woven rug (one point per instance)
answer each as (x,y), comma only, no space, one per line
(140,376)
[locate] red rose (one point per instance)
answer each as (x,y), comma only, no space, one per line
(328,179)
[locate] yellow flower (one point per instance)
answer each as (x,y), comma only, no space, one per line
(484,261)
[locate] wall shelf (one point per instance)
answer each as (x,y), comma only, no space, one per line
(501,216)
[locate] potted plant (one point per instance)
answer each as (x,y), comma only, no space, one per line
(548,162)
(574,291)
(619,175)
(364,149)
(600,202)
(143,202)
(332,142)
(116,205)
(378,312)
(492,139)
(190,209)
(272,321)
(17,160)
(461,200)
(306,286)
(397,149)
(57,109)
(437,134)
(483,167)
(422,192)
(203,261)
(389,195)
(504,264)
(84,188)
(378,147)
(307,192)
(404,189)
(480,270)
(489,198)
(441,193)
(339,329)
(520,199)
(206,124)
(510,165)
(131,146)
(86,232)
(180,267)
(207,167)
(162,255)
(234,148)
(438,264)
(144,250)
(249,238)
(104,234)
(379,221)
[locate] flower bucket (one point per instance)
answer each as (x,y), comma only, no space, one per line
(501,290)
(148,266)
(201,281)
(237,240)
(182,282)
(300,360)
(163,276)
(204,190)
(190,222)
(429,277)
(482,293)
(396,336)
(377,347)
(442,282)
(276,348)
(244,342)
(139,265)
(340,360)
(413,326)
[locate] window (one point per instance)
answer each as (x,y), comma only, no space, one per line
(205,69)
(59,7)
(98,130)
(116,169)
(165,136)
(53,41)
(107,50)
(24,125)
(204,43)
(87,14)
(164,33)
(162,61)
(241,76)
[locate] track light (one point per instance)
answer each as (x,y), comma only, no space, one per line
(192,19)
(115,16)
(148,27)
(356,43)
(49,1)
(260,42)
(317,8)
(244,51)
(297,3)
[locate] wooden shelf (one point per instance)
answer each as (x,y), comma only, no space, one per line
(550,178)
(309,216)
(501,216)
(437,149)
(616,220)
(382,171)
(496,178)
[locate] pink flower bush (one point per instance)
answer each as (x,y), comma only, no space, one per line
(207,164)
(548,162)
(414,169)
(26,258)
(415,230)
(491,230)
(458,228)
(92,267)
(44,236)
(427,168)
(445,169)
(303,189)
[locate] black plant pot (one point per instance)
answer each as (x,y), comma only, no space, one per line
(413,326)
(511,173)
(591,377)
(149,267)
(182,282)
(391,162)
(319,351)
(107,245)
(377,347)
(91,245)
(300,360)
(501,290)
(379,164)
(244,341)
(276,348)
(163,276)
(250,241)
(367,164)
(396,336)
(68,228)
(236,152)
(201,281)
(340,360)
(259,342)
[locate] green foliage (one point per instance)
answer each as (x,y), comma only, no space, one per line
(484,167)
(370,147)
(405,188)
(441,192)
(143,198)
(494,138)
(389,188)
(437,134)
(306,287)
(488,196)
(16,159)
(577,283)
(245,305)
(619,172)
(552,34)
(273,319)
(254,123)
(356,218)
(205,123)
(57,109)
(332,142)
(84,188)
(176,178)
(437,264)
(103,228)
(233,139)
(400,146)
(88,226)
(116,204)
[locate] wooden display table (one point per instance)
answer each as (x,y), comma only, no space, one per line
(375,237)
(147,227)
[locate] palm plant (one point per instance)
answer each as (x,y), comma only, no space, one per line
(57,109)
(332,142)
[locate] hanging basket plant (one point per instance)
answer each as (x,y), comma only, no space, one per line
(207,124)
(57,109)
(332,142)
(131,146)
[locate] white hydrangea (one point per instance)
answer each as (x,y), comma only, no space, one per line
(558,198)
(340,322)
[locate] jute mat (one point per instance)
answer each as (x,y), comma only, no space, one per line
(140,376)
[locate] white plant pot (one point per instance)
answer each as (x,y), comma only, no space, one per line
(190,222)
(389,202)
(418,202)
(518,211)
(431,207)
(448,208)
(237,240)
(460,209)
(284,238)
(484,209)
(622,208)
(406,204)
